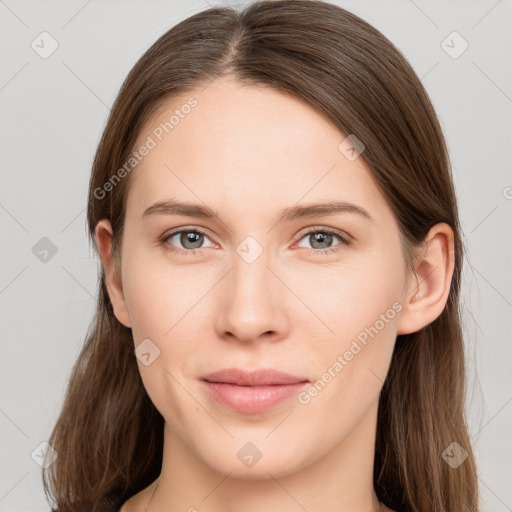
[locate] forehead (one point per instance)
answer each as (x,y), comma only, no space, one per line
(246,148)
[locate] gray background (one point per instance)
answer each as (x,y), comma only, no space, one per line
(53,112)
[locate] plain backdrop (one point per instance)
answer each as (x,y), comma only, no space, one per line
(53,113)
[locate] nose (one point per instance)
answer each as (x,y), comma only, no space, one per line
(252,302)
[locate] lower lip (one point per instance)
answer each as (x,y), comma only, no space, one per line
(252,399)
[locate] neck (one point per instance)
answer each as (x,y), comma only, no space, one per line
(340,480)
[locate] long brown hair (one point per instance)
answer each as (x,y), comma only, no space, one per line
(109,435)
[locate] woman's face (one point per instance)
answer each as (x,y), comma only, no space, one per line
(315,296)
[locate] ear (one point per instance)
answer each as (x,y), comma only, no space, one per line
(113,282)
(428,290)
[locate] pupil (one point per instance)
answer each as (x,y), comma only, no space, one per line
(191,238)
(322,238)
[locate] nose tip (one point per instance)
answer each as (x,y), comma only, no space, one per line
(251,301)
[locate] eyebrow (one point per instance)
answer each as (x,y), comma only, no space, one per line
(173,207)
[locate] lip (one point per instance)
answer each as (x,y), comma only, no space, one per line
(258,377)
(252,391)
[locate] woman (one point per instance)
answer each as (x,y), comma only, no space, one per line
(278,317)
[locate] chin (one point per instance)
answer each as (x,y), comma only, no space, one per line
(248,460)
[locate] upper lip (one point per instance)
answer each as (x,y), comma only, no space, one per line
(258,377)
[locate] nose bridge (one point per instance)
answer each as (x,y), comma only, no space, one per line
(252,303)
(250,274)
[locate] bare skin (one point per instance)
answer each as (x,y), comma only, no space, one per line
(248,153)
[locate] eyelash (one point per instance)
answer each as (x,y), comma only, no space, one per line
(344,241)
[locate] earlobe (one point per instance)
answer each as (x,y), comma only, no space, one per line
(431,281)
(113,281)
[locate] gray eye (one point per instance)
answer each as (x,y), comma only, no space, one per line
(188,238)
(321,239)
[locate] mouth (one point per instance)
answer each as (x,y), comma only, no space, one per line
(252,392)
(257,377)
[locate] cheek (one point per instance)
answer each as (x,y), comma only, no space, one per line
(350,367)
(359,307)
(167,306)
(158,294)
(346,299)
(161,302)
